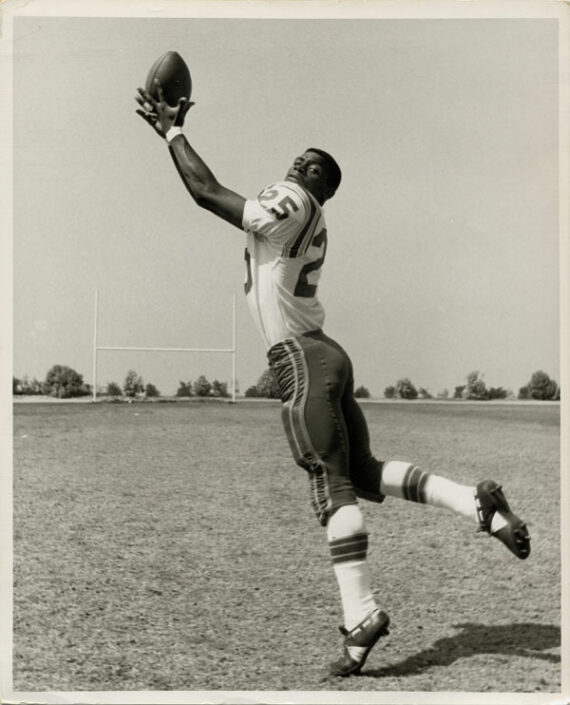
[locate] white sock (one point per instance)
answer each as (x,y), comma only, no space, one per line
(348,543)
(444,493)
(407,481)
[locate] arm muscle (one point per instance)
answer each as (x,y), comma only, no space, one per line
(203,185)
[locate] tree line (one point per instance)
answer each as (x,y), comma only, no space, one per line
(540,387)
(267,388)
(63,382)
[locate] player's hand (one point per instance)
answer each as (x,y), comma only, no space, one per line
(158,113)
(147,110)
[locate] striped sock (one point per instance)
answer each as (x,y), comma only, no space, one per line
(407,481)
(348,554)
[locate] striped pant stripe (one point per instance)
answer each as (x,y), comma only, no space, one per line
(306,455)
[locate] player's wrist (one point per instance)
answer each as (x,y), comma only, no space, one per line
(172,132)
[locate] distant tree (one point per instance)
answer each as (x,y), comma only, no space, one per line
(497,393)
(406,389)
(458,393)
(133,384)
(424,394)
(475,388)
(443,394)
(114,390)
(151,391)
(64,382)
(267,385)
(184,389)
(390,392)
(361,392)
(34,386)
(27,386)
(251,392)
(202,387)
(220,389)
(524,392)
(541,387)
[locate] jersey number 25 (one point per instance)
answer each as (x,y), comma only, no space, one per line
(302,288)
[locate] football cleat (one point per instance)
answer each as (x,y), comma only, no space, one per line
(489,498)
(358,642)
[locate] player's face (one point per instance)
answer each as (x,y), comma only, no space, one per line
(310,170)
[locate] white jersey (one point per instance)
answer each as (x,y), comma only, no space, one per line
(286,245)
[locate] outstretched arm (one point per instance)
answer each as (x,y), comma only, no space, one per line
(203,186)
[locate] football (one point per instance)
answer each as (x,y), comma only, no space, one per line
(174,77)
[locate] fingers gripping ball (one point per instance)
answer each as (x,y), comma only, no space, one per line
(174,76)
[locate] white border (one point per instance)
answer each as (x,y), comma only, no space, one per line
(275,9)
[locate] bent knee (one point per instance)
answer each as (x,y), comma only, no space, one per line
(345,521)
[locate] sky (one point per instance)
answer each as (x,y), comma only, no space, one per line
(444,236)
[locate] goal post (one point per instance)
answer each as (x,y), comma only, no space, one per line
(97,348)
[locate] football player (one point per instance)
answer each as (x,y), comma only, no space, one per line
(326,429)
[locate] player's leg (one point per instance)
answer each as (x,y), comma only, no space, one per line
(407,481)
(311,375)
(485,504)
(317,434)
(364,622)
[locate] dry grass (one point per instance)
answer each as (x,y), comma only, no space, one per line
(172,547)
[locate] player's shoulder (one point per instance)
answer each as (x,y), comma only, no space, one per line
(286,196)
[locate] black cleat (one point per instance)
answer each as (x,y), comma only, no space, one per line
(358,642)
(489,498)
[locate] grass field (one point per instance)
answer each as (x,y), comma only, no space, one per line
(172,547)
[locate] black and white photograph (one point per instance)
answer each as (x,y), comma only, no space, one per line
(284,310)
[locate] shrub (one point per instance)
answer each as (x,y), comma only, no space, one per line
(361,393)
(133,384)
(459,390)
(220,389)
(475,388)
(64,382)
(267,385)
(541,387)
(202,387)
(406,389)
(26,386)
(497,393)
(184,389)
(114,390)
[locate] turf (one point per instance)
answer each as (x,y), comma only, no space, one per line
(172,547)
